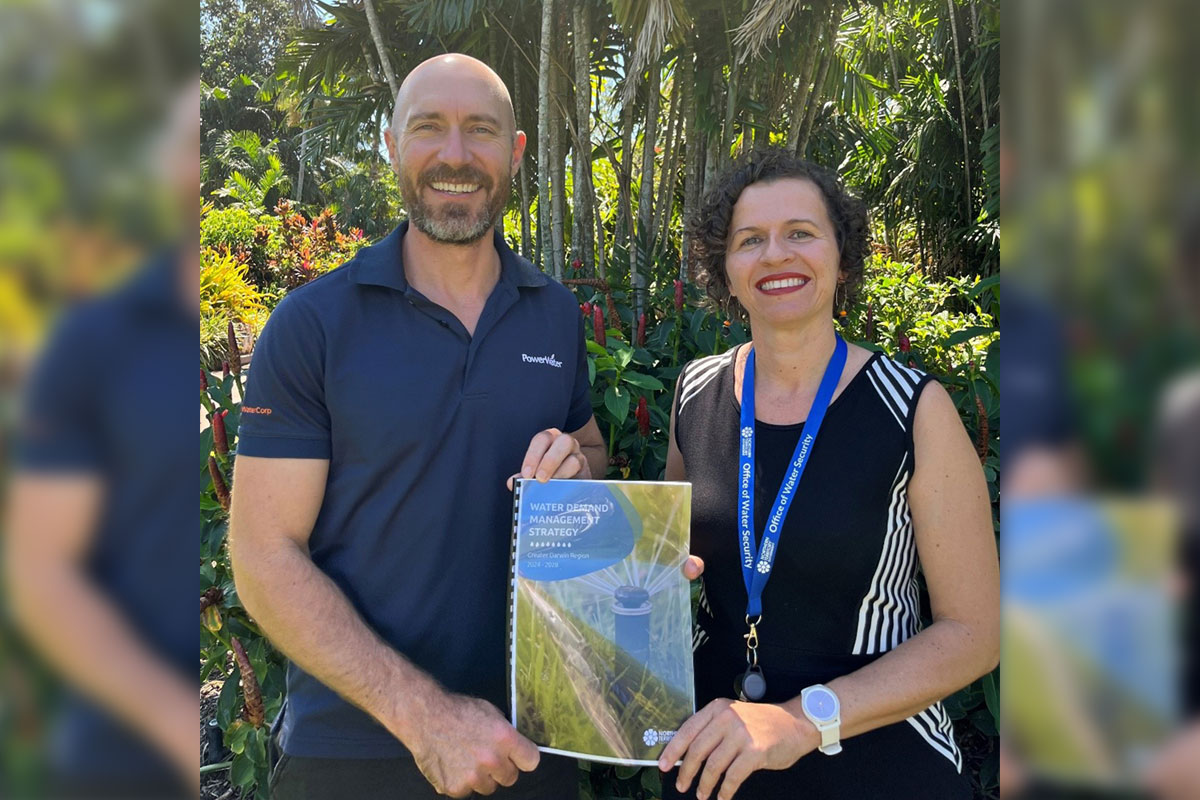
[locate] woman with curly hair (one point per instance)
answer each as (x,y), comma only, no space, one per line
(823,475)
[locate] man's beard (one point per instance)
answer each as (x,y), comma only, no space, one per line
(453,222)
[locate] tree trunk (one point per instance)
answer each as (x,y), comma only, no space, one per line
(983,100)
(523,170)
(712,160)
(544,133)
(377,37)
(814,97)
(300,158)
(601,261)
(728,136)
(691,169)
(670,170)
(892,57)
(624,226)
(557,183)
(372,70)
(962,109)
(582,211)
(807,66)
(643,239)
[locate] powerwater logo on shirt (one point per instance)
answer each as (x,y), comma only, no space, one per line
(549,360)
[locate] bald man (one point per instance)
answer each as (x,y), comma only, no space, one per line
(388,404)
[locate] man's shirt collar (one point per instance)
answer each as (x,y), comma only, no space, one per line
(382,264)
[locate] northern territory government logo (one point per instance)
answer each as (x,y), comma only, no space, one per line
(652,737)
(747,433)
(528,359)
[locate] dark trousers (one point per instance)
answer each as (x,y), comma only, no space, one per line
(300,778)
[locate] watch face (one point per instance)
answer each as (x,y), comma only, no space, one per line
(821,705)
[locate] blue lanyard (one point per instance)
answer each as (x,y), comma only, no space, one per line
(755,572)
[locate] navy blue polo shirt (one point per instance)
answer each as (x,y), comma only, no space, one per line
(422,424)
(113,397)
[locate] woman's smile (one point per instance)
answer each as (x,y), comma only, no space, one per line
(782,283)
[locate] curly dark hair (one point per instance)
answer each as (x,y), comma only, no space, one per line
(708,230)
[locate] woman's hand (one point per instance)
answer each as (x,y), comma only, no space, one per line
(735,739)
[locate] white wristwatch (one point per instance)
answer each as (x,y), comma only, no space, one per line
(821,706)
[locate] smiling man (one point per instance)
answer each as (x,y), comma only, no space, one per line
(370,526)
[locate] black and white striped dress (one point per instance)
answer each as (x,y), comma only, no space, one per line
(843,590)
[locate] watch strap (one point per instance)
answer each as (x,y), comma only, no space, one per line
(830,730)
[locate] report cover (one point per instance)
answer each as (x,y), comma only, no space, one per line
(600,619)
(1090,647)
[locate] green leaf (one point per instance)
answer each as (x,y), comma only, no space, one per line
(643,356)
(591,362)
(697,322)
(256,746)
(242,772)
(625,773)
(991,694)
(228,700)
(623,354)
(989,770)
(595,348)
(984,285)
(958,337)
(652,782)
(616,400)
(984,722)
(236,735)
(643,381)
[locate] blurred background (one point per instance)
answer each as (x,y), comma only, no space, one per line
(99,117)
(1102,373)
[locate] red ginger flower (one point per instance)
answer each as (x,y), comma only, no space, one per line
(235,355)
(218,480)
(252,711)
(678,295)
(643,417)
(220,438)
(598,332)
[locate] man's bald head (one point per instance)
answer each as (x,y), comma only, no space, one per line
(443,74)
(454,146)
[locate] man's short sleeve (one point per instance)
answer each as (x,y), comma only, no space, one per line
(59,429)
(581,397)
(284,413)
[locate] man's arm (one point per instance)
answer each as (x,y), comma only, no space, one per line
(461,744)
(76,629)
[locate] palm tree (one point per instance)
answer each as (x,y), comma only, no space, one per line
(377,37)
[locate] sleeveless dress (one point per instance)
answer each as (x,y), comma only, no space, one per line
(843,588)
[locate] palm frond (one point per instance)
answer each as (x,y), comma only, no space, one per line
(762,26)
